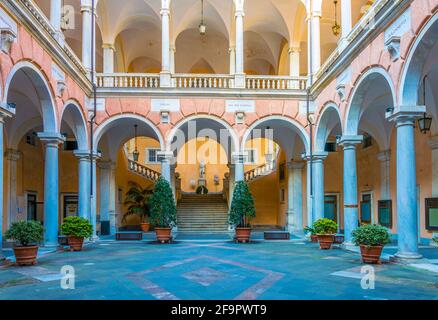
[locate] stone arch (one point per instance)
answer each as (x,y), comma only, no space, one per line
(329,118)
(43,90)
(73,115)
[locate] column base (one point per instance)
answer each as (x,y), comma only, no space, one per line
(407,255)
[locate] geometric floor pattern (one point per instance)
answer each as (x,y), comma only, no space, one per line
(214,270)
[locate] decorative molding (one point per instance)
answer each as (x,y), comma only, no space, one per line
(240,117)
(340,89)
(242,106)
(167,105)
(7,37)
(393,47)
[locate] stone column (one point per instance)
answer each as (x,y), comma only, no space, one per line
(12,156)
(384,157)
(51,191)
(232,52)
(318,185)
(314,22)
(295,198)
(346,23)
(56,17)
(172,59)
(166,159)
(231,182)
(165,78)
(351,207)
(84,183)
(407,223)
(93,194)
(240,64)
(86,34)
(107,196)
(239,166)
(3,114)
(108,58)
(433,143)
(310,197)
(294,61)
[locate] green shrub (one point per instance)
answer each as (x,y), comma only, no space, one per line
(137,201)
(371,235)
(435,240)
(325,226)
(27,233)
(162,205)
(77,227)
(242,206)
(202,190)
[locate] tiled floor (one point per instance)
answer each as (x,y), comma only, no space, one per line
(214,270)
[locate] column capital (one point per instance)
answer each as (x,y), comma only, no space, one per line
(165,156)
(239,13)
(319,156)
(384,156)
(405,115)
(165,12)
(12,154)
(51,138)
(350,141)
(6,111)
(314,14)
(109,46)
(107,165)
(239,157)
(82,154)
(294,50)
(295,165)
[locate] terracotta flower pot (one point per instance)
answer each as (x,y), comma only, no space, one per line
(163,234)
(243,234)
(145,226)
(314,238)
(26,256)
(326,241)
(371,254)
(75,243)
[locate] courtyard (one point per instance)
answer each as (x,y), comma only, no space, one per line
(216,269)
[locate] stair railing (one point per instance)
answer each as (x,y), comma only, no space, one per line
(143,171)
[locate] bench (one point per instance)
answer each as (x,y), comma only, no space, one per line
(277,235)
(129,236)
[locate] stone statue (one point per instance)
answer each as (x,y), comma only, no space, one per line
(202,170)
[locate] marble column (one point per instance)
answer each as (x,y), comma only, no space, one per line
(318,185)
(51,190)
(407,223)
(314,21)
(108,58)
(240,64)
(56,17)
(93,194)
(346,23)
(165,78)
(351,207)
(294,61)
(295,198)
(231,181)
(385,161)
(310,197)
(172,59)
(433,143)
(86,34)
(107,195)
(239,166)
(232,52)
(4,113)
(166,159)
(83,183)
(12,156)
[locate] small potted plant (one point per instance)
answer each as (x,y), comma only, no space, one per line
(371,239)
(136,199)
(311,231)
(76,229)
(242,211)
(163,210)
(27,234)
(326,230)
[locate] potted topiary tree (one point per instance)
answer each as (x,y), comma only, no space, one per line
(325,230)
(136,199)
(371,239)
(76,229)
(311,231)
(163,210)
(28,234)
(242,211)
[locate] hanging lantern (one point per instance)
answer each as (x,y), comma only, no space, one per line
(202,25)
(135,154)
(336,29)
(425,123)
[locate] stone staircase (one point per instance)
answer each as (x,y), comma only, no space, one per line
(202,214)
